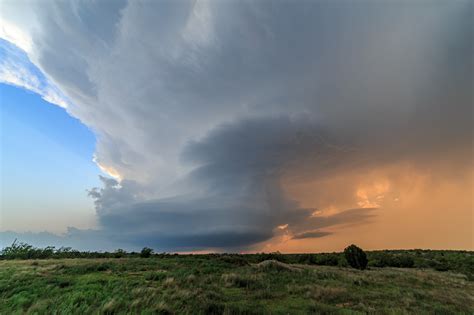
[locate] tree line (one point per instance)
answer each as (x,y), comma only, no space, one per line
(353,256)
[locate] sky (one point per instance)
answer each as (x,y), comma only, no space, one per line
(237,126)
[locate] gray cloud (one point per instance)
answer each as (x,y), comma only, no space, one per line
(239,200)
(311,234)
(203,107)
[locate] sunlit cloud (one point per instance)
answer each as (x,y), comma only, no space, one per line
(13,34)
(17,70)
(109,170)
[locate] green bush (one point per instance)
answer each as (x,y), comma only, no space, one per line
(326,260)
(235,260)
(146,252)
(405,261)
(356,257)
(119,253)
(398,260)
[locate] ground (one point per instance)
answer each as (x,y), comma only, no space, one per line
(193,285)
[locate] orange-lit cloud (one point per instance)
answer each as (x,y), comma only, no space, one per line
(418,207)
(109,170)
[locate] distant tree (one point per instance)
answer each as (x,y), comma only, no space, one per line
(146,252)
(119,253)
(356,257)
(18,250)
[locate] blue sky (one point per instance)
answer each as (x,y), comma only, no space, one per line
(46,165)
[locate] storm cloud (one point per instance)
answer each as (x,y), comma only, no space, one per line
(311,234)
(203,108)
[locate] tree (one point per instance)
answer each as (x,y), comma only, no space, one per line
(119,253)
(356,257)
(146,252)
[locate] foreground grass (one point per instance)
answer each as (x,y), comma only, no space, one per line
(194,285)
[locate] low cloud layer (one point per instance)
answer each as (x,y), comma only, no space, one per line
(203,108)
(311,234)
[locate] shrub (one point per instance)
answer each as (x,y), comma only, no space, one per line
(305,259)
(235,260)
(146,252)
(326,260)
(405,261)
(212,307)
(356,257)
(440,265)
(25,251)
(383,259)
(119,253)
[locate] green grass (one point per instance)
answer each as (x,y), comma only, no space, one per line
(203,285)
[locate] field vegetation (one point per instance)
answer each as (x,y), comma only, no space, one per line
(45,281)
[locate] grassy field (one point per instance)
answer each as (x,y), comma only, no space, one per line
(203,285)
